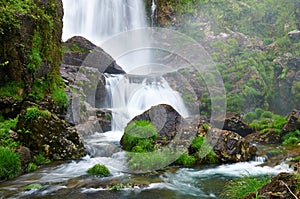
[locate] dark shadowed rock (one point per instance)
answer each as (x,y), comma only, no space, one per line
(104,116)
(234,123)
(229,146)
(293,121)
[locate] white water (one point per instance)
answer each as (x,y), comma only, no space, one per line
(132,95)
(97,20)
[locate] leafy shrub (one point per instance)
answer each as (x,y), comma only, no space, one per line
(99,169)
(292,138)
(10,164)
(40,160)
(34,112)
(241,187)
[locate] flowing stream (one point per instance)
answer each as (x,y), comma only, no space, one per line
(129,95)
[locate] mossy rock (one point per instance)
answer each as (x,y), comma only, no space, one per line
(99,169)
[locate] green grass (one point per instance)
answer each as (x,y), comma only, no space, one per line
(99,169)
(10,164)
(241,187)
(186,160)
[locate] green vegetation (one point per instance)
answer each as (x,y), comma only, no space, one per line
(33,186)
(40,160)
(265,121)
(5,127)
(31,167)
(199,152)
(241,187)
(139,136)
(12,89)
(34,112)
(186,160)
(46,50)
(10,165)
(149,161)
(99,169)
(292,138)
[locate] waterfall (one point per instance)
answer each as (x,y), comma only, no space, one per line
(134,93)
(97,20)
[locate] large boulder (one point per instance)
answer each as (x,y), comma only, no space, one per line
(43,132)
(81,52)
(165,118)
(229,146)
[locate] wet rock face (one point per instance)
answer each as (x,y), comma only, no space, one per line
(284,185)
(234,123)
(229,146)
(51,136)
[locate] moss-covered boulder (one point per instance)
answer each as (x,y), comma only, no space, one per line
(43,132)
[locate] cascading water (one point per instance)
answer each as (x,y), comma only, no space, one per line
(99,20)
(132,94)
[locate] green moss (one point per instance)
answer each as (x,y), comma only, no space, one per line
(12,89)
(34,112)
(33,186)
(186,160)
(10,164)
(139,135)
(99,169)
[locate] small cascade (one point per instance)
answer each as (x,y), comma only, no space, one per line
(261,159)
(131,95)
(153,11)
